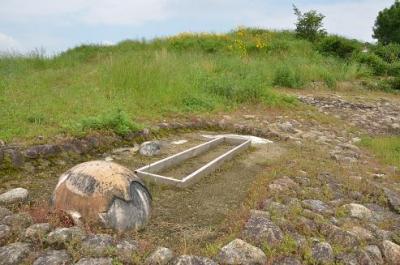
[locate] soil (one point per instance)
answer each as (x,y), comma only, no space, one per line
(196,215)
(191,165)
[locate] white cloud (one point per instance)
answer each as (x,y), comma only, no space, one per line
(125,12)
(9,44)
(107,12)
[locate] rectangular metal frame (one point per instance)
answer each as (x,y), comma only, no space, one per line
(149,172)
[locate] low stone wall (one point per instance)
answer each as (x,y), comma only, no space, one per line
(16,157)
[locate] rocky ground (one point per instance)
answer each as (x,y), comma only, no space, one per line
(326,200)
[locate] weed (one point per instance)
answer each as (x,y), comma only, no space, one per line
(149,79)
(117,121)
(286,77)
(387,149)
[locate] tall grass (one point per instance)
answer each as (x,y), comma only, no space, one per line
(387,149)
(180,74)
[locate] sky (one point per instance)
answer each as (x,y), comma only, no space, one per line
(56,25)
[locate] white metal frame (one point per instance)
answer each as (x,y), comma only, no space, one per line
(149,172)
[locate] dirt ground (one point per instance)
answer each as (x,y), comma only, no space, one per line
(196,215)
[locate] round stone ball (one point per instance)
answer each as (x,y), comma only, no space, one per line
(106,192)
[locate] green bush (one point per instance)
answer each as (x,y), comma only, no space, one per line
(192,103)
(286,77)
(338,46)
(116,121)
(377,64)
(390,53)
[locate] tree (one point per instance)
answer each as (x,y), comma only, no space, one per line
(309,25)
(387,24)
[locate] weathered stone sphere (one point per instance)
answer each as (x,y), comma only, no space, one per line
(104,191)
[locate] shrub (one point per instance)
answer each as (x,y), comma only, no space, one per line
(116,121)
(286,77)
(390,53)
(329,80)
(309,25)
(378,65)
(192,103)
(338,46)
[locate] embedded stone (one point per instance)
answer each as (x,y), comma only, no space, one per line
(394,199)
(358,211)
(4,212)
(104,191)
(63,236)
(14,253)
(53,257)
(126,248)
(18,221)
(193,260)
(323,253)
(151,148)
(317,206)
(161,256)
(240,252)
(283,184)
(259,228)
(287,261)
(95,261)
(5,232)
(391,252)
(14,196)
(374,254)
(97,245)
(37,231)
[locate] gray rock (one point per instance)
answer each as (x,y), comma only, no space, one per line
(125,151)
(374,254)
(391,252)
(286,127)
(151,148)
(358,211)
(161,256)
(347,259)
(45,150)
(37,231)
(4,212)
(53,257)
(95,261)
(16,157)
(240,252)
(126,248)
(14,196)
(316,206)
(394,199)
(97,245)
(338,236)
(18,221)
(361,233)
(5,232)
(283,184)
(193,260)
(14,253)
(62,236)
(260,229)
(323,253)
(287,261)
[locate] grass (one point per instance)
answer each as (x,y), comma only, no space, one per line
(386,149)
(147,80)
